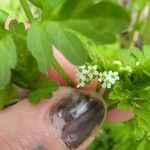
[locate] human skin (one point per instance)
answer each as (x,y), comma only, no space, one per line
(25,126)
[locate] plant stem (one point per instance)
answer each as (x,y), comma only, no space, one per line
(16,35)
(27,10)
(146,28)
(134,27)
(61,71)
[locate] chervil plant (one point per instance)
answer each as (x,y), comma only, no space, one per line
(107,41)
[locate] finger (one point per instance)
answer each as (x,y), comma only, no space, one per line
(117,115)
(68,120)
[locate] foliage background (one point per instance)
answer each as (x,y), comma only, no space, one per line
(114,136)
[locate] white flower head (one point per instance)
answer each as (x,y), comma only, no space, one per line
(108,78)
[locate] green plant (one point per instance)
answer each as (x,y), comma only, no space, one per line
(95,35)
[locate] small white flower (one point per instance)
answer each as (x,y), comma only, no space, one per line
(95,73)
(109,85)
(117,62)
(83,78)
(105,74)
(104,85)
(90,75)
(84,71)
(89,67)
(115,73)
(82,67)
(128,69)
(110,72)
(112,81)
(94,67)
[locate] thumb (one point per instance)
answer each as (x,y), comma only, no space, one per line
(69,120)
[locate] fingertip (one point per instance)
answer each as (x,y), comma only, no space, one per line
(117,115)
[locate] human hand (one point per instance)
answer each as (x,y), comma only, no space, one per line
(27,126)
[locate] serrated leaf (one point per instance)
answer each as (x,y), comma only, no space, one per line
(8,59)
(3,17)
(39,44)
(42,89)
(119,93)
(26,69)
(68,43)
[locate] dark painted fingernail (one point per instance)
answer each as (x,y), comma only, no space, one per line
(77,115)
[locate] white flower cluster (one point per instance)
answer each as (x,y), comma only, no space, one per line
(107,79)
(86,73)
(121,67)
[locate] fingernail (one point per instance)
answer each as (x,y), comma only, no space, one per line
(76,117)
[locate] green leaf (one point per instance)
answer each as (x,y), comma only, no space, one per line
(70,8)
(138,54)
(37,3)
(97,21)
(139,132)
(39,44)
(6,94)
(125,104)
(3,17)
(8,59)
(119,93)
(42,89)
(146,51)
(146,67)
(26,69)
(68,43)
(103,18)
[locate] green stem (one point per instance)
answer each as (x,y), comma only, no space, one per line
(14,34)
(61,71)
(27,10)
(134,28)
(146,28)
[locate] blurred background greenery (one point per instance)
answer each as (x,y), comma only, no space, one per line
(112,136)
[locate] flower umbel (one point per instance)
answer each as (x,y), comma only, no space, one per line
(107,79)
(85,74)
